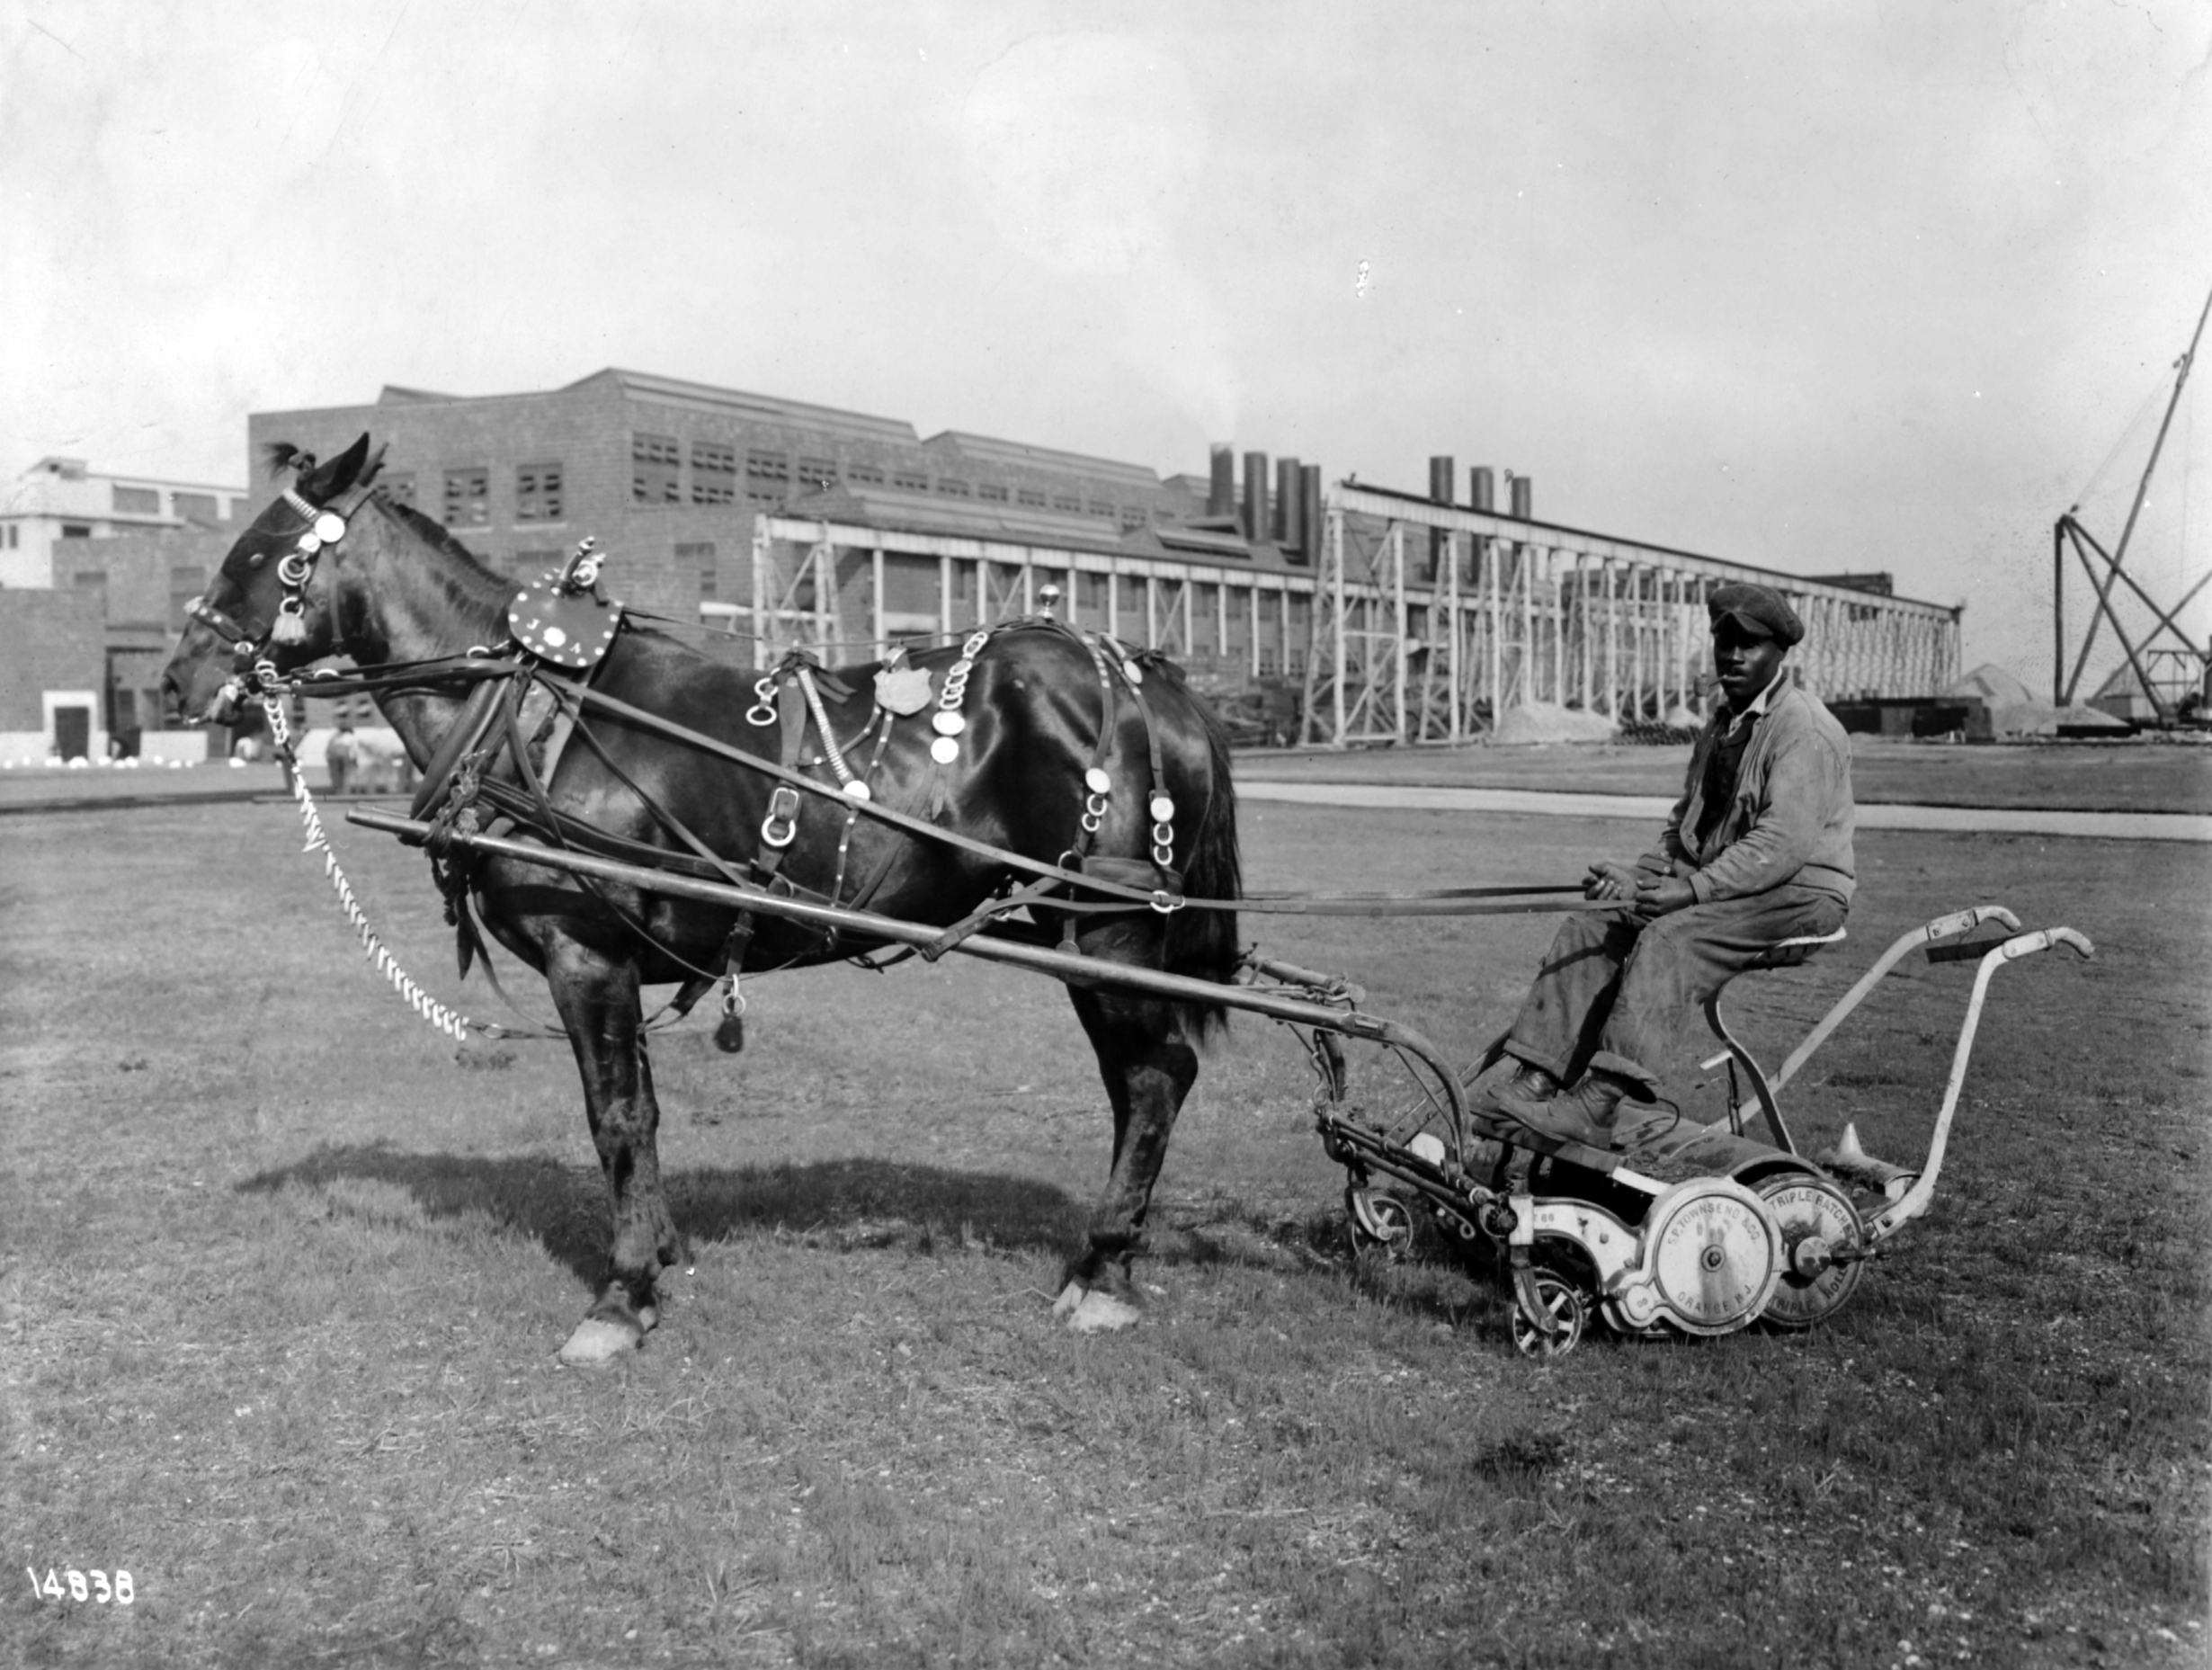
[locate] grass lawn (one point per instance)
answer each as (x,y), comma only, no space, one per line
(282,1277)
(2140,776)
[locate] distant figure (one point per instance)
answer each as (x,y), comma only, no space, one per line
(382,763)
(343,749)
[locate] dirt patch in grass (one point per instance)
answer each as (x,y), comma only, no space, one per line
(281,1279)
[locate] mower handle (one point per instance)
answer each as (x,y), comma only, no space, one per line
(1914,1202)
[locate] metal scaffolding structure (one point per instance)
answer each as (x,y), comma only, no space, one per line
(847,591)
(2167,675)
(1430,620)
(1393,644)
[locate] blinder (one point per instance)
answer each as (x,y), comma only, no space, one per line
(251,644)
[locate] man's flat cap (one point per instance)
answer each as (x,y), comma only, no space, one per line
(1757,609)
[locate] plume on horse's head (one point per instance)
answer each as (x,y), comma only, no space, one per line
(282,455)
(357,465)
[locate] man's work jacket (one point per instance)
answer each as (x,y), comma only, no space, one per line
(1790,817)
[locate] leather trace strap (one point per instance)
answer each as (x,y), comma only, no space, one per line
(1090,889)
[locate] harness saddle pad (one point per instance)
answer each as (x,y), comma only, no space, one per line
(571,630)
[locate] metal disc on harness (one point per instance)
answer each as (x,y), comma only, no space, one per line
(572,629)
(944,750)
(902,690)
(945,722)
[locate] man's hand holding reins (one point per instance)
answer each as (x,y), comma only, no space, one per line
(1611,884)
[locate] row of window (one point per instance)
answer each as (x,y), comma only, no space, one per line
(768,478)
(465,495)
(146,501)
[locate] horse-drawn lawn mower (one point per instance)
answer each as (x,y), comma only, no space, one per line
(1697,1228)
(623,810)
(1685,1226)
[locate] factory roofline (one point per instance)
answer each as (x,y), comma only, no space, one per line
(1664,550)
(986,449)
(707,397)
(78,469)
(906,512)
(927,513)
(711,398)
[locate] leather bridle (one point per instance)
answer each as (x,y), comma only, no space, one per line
(253,647)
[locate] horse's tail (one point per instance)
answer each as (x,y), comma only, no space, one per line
(1202,943)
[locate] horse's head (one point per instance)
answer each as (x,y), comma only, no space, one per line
(264,607)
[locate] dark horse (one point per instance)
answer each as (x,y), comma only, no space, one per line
(394,588)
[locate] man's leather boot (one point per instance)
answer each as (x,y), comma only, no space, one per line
(1583,1114)
(1529,1089)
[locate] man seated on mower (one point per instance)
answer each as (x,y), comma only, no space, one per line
(1757,851)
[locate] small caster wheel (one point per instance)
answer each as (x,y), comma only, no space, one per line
(1564,1305)
(1377,1222)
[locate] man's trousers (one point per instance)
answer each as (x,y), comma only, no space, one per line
(1612,989)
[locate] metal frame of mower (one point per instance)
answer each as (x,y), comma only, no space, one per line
(1693,1229)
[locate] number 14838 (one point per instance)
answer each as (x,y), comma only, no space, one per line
(81,1585)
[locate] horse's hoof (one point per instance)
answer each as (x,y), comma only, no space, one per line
(598,1342)
(1071,1296)
(1100,1312)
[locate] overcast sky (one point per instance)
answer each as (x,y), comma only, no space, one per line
(1817,286)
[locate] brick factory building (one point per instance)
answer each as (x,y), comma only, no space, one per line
(50,676)
(711,503)
(1353,615)
(122,551)
(60,501)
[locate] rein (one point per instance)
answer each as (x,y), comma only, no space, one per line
(1447,901)
(1111,895)
(460,776)
(452,1022)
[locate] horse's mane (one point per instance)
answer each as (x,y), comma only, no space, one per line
(283,456)
(434,534)
(468,583)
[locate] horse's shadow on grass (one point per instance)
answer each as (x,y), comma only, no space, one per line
(847,1203)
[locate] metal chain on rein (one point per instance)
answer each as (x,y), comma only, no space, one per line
(453,1024)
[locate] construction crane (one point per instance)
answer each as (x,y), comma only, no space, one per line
(2176,677)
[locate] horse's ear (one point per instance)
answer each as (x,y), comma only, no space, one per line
(326,481)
